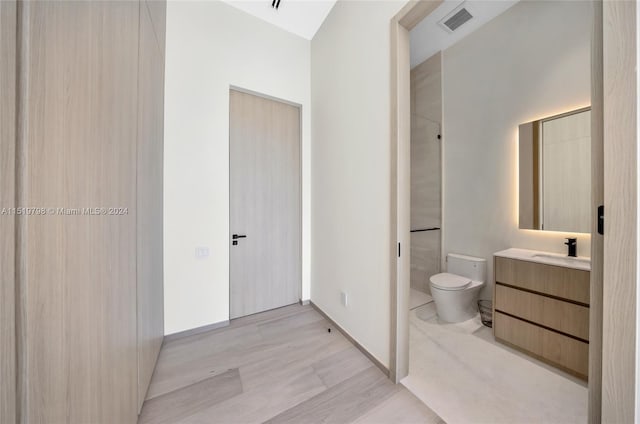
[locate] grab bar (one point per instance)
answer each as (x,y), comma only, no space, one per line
(425,229)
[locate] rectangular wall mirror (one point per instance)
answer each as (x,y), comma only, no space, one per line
(555,173)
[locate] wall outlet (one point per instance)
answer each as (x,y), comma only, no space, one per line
(344,299)
(202,252)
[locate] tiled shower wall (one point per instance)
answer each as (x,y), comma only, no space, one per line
(426,175)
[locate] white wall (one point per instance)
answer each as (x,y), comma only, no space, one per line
(210,46)
(530,62)
(350,169)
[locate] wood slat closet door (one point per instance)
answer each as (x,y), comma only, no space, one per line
(77,127)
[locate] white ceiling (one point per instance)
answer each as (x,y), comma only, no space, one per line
(428,37)
(301,17)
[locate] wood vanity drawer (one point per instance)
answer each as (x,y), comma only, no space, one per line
(549,346)
(565,283)
(563,316)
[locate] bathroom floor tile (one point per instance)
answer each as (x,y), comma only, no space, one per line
(465,376)
(418,298)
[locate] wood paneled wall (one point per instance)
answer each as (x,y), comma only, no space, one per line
(90,124)
(78,132)
(426,172)
(149,198)
(7,200)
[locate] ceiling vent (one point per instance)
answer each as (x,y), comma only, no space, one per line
(456,19)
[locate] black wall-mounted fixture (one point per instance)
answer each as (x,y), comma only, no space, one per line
(275,4)
(601,219)
(425,229)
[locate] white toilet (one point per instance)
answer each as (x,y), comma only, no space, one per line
(455,292)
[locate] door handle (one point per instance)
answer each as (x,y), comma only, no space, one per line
(238,236)
(601,219)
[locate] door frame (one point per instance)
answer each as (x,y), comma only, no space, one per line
(300,176)
(597,240)
(619,121)
(8,340)
(400,181)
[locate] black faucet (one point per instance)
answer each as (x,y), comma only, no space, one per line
(572,244)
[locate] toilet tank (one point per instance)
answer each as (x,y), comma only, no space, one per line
(467,266)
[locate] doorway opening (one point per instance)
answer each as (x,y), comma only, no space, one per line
(462,238)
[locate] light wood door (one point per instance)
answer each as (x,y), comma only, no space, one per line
(620,258)
(77,133)
(264,145)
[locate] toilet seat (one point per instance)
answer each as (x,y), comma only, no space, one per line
(446,281)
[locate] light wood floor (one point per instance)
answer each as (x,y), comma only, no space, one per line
(280,366)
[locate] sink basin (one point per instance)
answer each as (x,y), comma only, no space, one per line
(562,258)
(556,259)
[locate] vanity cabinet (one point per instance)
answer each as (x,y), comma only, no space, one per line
(543,310)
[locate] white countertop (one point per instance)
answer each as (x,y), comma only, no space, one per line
(557,259)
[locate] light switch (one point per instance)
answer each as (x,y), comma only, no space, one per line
(202,252)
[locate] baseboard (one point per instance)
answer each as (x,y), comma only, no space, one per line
(304,302)
(362,349)
(194,331)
